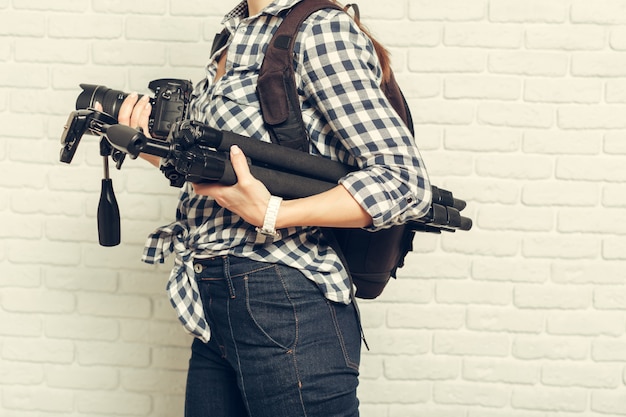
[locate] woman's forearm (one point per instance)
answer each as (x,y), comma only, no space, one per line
(333,208)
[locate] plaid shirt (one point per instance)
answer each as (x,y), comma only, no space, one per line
(349,120)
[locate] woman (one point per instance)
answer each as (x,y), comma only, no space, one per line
(268,301)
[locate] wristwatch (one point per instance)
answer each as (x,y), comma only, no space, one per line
(269,222)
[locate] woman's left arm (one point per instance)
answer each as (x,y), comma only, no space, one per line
(249,199)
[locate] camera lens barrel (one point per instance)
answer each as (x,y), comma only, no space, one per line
(110,99)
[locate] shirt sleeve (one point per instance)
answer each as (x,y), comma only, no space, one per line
(341,76)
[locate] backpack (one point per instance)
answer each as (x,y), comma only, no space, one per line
(371,258)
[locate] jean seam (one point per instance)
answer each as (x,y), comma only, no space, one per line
(340,337)
(258,325)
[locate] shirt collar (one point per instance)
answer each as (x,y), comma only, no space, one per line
(241,10)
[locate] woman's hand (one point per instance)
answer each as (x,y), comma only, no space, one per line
(135,112)
(248,198)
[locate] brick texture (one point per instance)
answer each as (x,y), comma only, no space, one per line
(520,109)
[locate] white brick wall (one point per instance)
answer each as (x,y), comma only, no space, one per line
(520,108)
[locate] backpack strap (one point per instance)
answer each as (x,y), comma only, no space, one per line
(276,88)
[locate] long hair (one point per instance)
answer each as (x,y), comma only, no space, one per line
(383,54)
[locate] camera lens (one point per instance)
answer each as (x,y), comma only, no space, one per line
(111,100)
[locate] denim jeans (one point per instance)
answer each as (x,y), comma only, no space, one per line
(278,347)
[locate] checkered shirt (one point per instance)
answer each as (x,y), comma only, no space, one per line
(349,120)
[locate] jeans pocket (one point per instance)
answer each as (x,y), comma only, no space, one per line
(271,309)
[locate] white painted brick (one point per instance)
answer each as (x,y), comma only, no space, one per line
(23,24)
(447,10)
(153,381)
(610,298)
(61,5)
(443,112)
(128,53)
(55,253)
(529,63)
(577,272)
(482,87)
(161,333)
(502,319)
(554,400)
(109,403)
(442,165)
(114,305)
(569,38)
(566,247)
(38,399)
(48,51)
(511,270)
(88,26)
(516,115)
(157,7)
(562,142)
(426,368)
(41,301)
(426,317)
(447,60)
(82,378)
(484,395)
(483,35)
(455,292)
(471,344)
(528,167)
(530,347)
(20,324)
(483,243)
(597,117)
(614,143)
(598,64)
(21,75)
(500,371)
(485,190)
(112,257)
(581,375)
(613,248)
(592,323)
(550,296)
(171,358)
(437,268)
(481,139)
(81,328)
(21,226)
(408,33)
(609,350)
(168,405)
(38,350)
(560,193)
(21,373)
(395,392)
(563,91)
(406,290)
(591,169)
(119,354)
(614,195)
(554,11)
(398,341)
(155,28)
(20,276)
(75,279)
(606,402)
(590,221)
(521,219)
(616,38)
(602,12)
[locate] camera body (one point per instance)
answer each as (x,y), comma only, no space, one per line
(169,104)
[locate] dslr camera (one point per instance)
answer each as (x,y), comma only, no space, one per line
(169,104)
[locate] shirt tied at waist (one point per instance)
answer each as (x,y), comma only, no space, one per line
(182,288)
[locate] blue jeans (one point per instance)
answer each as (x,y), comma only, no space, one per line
(278,348)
